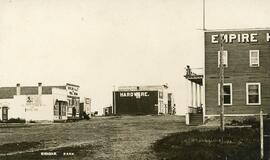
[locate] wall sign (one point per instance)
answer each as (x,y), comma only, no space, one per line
(239,38)
(72,90)
(87,100)
(134,94)
(32,103)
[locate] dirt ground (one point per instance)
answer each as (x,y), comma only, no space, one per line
(126,137)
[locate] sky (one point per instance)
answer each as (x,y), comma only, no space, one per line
(99,44)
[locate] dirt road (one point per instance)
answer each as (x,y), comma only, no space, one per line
(127,137)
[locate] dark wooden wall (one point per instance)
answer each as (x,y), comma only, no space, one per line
(144,105)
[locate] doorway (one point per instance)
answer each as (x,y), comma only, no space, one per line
(4,113)
(60,109)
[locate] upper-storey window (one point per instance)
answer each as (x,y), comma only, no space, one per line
(225,58)
(254,58)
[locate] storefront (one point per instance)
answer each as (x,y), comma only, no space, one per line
(141,100)
(39,103)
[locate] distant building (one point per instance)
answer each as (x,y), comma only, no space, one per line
(141,100)
(85,107)
(108,111)
(171,104)
(38,103)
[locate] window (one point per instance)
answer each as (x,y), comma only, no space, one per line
(227,94)
(253,92)
(225,58)
(254,58)
(56,108)
(160,94)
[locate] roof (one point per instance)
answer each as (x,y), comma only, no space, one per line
(9,92)
(142,88)
(237,29)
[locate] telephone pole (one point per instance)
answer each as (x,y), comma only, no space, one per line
(221,79)
(114,101)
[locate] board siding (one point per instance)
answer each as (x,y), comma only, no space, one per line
(144,105)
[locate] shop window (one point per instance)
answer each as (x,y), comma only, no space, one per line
(4,113)
(253,93)
(227,94)
(160,94)
(254,58)
(56,109)
(225,58)
(64,109)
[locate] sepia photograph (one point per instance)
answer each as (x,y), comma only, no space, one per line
(134,80)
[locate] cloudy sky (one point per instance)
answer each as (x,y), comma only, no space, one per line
(101,43)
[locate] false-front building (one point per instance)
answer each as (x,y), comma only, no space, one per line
(42,103)
(142,100)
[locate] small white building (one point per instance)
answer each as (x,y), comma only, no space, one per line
(39,103)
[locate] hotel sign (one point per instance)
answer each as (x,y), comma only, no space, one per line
(251,37)
(134,94)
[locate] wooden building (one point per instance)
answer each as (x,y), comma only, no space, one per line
(39,103)
(246,89)
(142,100)
(246,59)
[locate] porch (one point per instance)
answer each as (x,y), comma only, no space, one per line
(195,108)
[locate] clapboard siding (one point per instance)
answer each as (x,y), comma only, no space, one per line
(238,73)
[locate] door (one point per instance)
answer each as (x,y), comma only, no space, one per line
(60,110)
(4,113)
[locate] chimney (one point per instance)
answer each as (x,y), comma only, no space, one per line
(39,89)
(18,89)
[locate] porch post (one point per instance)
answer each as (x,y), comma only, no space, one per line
(191,94)
(196,95)
(200,95)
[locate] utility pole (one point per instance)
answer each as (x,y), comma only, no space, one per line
(203,15)
(261,133)
(114,101)
(221,79)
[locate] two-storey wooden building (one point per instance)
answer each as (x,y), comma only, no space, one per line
(246,58)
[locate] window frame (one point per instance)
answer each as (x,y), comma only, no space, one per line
(247,93)
(226,58)
(258,57)
(231,94)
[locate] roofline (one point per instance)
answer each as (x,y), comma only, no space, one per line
(155,90)
(161,85)
(236,29)
(72,85)
(55,86)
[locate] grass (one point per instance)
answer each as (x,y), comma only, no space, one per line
(14,120)
(12,147)
(233,144)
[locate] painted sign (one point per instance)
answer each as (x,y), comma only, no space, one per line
(239,37)
(87,101)
(32,103)
(134,94)
(72,90)
(32,100)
